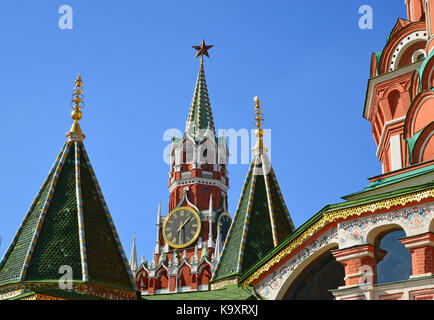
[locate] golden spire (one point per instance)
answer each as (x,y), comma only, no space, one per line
(77,104)
(259,121)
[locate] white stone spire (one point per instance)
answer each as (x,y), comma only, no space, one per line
(133,257)
(216,254)
(218,245)
(210,240)
(157,243)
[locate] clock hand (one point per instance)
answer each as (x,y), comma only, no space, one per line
(182,225)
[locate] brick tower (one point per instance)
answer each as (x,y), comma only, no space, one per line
(190,237)
(400,99)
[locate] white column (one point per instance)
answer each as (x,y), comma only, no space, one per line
(210,240)
(395,152)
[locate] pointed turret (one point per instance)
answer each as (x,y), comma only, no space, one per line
(133,257)
(157,243)
(261,221)
(69,224)
(200,116)
(210,217)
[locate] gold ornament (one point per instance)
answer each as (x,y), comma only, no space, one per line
(333,216)
(77,101)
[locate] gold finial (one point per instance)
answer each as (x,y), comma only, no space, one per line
(77,103)
(259,121)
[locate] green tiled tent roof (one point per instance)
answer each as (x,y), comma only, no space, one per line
(69,224)
(261,221)
(200,115)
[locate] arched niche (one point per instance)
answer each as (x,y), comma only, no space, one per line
(142,279)
(317,279)
(205,274)
(393,99)
(299,270)
(162,280)
(412,53)
(184,276)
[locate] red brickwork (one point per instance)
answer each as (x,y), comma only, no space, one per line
(421,248)
(359,264)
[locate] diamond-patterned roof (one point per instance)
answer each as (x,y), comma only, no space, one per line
(200,115)
(261,221)
(68,223)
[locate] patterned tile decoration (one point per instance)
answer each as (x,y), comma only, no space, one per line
(414,220)
(216,274)
(81,232)
(260,222)
(200,115)
(58,241)
(331,216)
(109,218)
(269,200)
(281,199)
(26,218)
(44,212)
(246,222)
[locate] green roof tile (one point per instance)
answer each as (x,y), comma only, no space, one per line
(69,207)
(377,184)
(200,116)
(58,243)
(261,207)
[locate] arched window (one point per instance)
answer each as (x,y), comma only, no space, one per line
(142,280)
(317,279)
(393,99)
(162,280)
(395,265)
(184,277)
(205,274)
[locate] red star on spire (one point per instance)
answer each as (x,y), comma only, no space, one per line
(202,49)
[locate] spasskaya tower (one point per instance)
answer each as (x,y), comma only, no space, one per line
(190,237)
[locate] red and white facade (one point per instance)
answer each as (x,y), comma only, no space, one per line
(400,107)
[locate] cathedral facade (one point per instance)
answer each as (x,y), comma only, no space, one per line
(378,243)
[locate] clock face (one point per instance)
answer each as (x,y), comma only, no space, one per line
(181,227)
(223,225)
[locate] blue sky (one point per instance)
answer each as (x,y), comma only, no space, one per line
(309,64)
